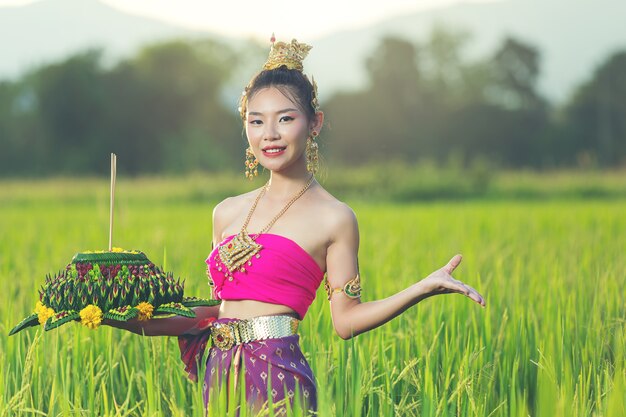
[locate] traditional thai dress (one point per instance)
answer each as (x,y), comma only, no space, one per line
(282,272)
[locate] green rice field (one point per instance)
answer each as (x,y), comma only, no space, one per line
(551,341)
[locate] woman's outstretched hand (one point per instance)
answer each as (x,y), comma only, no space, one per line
(441,282)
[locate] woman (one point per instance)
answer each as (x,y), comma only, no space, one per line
(267,281)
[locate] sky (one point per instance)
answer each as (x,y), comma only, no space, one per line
(246,18)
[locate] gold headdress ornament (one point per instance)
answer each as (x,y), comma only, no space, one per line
(290,55)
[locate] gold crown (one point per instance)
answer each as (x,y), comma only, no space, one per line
(289,54)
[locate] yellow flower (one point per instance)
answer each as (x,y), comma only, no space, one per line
(91,316)
(43,312)
(145,311)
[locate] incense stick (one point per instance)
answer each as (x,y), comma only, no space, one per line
(113,169)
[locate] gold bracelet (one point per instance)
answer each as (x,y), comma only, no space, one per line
(352,288)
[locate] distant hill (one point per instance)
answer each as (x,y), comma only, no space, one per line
(573,36)
(51,29)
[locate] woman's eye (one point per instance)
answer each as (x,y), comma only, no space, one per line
(255,122)
(286,118)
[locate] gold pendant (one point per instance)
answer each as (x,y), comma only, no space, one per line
(238,251)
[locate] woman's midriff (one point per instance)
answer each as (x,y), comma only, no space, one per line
(246,309)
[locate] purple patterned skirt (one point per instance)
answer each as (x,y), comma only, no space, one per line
(277,361)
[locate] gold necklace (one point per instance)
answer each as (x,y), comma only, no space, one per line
(242,247)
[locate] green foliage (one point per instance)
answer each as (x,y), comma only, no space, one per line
(516,68)
(392,182)
(550,342)
(162,109)
(424,101)
(171,109)
(594,119)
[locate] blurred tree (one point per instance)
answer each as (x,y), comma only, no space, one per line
(166,110)
(426,102)
(70,102)
(348,137)
(166,105)
(380,121)
(511,138)
(454,88)
(595,122)
(160,111)
(26,150)
(504,118)
(8,141)
(515,71)
(443,66)
(393,70)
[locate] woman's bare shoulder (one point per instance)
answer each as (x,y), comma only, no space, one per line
(227,210)
(233,203)
(337,213)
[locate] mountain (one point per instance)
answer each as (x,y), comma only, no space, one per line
(573,37)
(49,30)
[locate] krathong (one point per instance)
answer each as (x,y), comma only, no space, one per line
(116,285)
(113,284)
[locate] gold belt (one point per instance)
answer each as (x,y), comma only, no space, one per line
(226,335)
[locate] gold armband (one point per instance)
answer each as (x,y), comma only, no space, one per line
(352,288)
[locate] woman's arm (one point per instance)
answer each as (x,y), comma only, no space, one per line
(171,326)
(178,325)
(352,317)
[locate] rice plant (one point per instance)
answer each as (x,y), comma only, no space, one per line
(551,341)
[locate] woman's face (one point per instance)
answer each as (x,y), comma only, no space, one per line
(274,121)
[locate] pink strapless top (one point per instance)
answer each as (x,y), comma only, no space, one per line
(281,273)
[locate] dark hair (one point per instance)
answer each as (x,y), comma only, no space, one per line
(291,82)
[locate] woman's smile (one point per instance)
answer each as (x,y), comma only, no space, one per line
(273,151)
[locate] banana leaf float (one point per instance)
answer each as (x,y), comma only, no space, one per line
(117,285)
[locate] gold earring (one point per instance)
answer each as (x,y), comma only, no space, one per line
(251,164)
(312,162)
